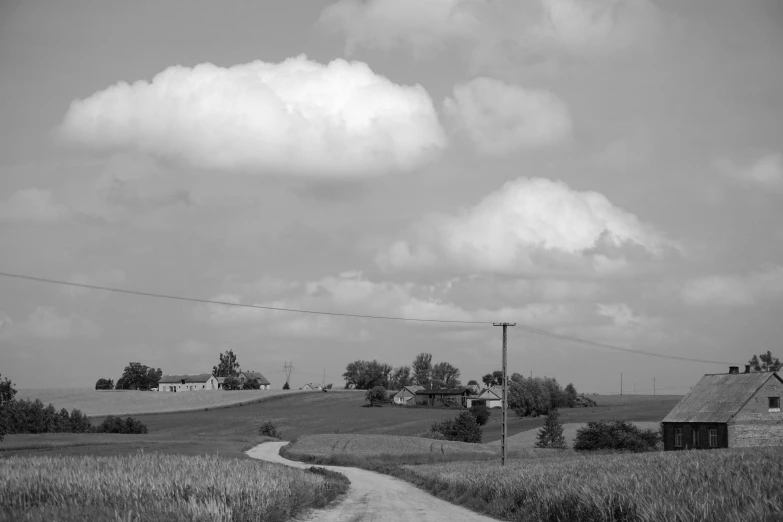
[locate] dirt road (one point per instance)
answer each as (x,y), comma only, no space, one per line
(375,497)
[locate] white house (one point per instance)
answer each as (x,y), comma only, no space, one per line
(407,395)
(175,383)
(490,397)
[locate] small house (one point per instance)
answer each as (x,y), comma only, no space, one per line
(490,397)
(307,387)
(727,410)
(442,396)
(406,395)
(175,383)
(249,376)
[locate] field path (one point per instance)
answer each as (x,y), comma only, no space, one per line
(375,497)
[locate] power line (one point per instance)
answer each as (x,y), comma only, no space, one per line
(226,303)
(531,329)
(571,338)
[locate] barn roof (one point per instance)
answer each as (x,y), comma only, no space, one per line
(443,391)
(257,375)
(199,377)
(718,397)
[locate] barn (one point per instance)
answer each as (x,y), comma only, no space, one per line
(727,410)
(407,395)
(175,383)
(442,396)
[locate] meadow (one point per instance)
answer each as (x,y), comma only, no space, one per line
(149,486)
(372,445)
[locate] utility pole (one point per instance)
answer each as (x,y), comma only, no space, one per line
(504,403)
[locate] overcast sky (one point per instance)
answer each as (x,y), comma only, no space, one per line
(606,169)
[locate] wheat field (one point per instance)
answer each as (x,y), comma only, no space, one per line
(362,445)
(157,487)
(684,486)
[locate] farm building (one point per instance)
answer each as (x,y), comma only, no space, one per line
(490,397)
(247,376)
(442,396)
(727,410)
(175,383)
(407,395)
(308,387)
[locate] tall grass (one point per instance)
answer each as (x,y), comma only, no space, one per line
(719,485)
(159,487)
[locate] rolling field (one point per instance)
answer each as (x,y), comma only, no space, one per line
(371,445)
(230,430)
(156,487)
(97,403)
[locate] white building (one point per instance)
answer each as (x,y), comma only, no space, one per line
(179,383)
(490,397)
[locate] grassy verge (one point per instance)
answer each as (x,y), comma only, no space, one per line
(160,487)
(721,485)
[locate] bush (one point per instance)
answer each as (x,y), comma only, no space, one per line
(376,396)
(129,425)
(231,383)
(462,428)
(615,435)
(104,384)
(481,412)
(286,386)
(252,384)
(268,429)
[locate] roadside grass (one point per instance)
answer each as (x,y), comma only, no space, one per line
(721,485)
(151,486)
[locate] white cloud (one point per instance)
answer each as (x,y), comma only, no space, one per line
(299,116)
(32,205)
(499,118)
(733,291)
(766,172)
(487,27)
(109,278)
(529,226)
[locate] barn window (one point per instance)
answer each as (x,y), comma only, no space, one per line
(678,437)
(774,404)
(713,438)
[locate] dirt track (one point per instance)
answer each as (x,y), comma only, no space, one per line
(375,497)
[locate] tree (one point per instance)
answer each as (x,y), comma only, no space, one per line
(444,375)
(365,375)
(286,386)
(400,377)
(473,382)
(228,365)
(765,363)
(528,396)
(570,395)
(7,391)
(493,379)
(232,383)
(376,396)
(463,428)
(251,384)
(422,370)
(615,435)
(551,433)
(104,384)
(137,376)
(481,412)
(329,386)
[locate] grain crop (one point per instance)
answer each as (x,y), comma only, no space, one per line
(151,486)
(372,445)
(715,485)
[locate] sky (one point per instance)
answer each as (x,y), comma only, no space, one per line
(606,169)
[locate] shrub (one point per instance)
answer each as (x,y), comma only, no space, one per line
(376,396)
(104,384)
(251,384)
(268,429)
(129,425)
(551,433)
(462,428)
(615,435)
(231,383)
(286,386)
(481,412)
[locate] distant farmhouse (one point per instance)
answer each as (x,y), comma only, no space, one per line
(728,410)
(490,397)
(442,396)
(175,383)
(249,376)
(406,395)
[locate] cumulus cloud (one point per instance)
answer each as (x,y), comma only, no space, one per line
(530,226)
(733,291)
(298,116)
(499,118)
(766,172)
(486,27)
(32,204)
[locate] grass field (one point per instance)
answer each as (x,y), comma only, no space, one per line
(159,488)
(371,445)
(527,439)
(98,403)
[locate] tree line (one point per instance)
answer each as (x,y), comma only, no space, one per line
(365,375)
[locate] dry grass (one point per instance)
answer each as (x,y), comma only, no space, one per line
(719,485)
(375,445)
(96,403)
(158,487)
(527,439)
